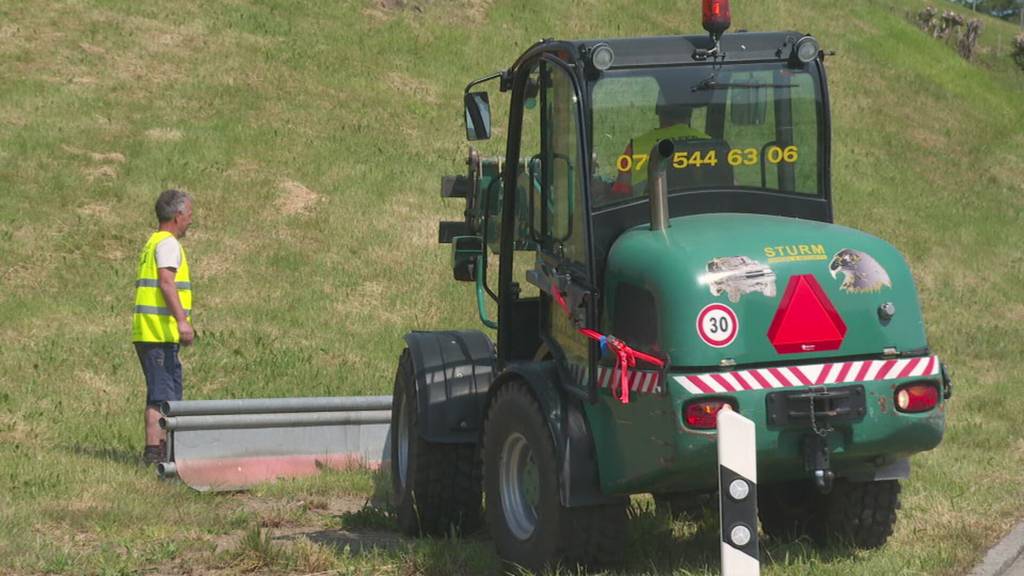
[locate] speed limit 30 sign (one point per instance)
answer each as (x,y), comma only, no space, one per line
(717,325)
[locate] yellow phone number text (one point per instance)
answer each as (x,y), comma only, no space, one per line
(697,158)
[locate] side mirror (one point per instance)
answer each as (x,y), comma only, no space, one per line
(478,116)
(466,253)
(749,106)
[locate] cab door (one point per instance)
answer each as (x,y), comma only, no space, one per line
(545,161)
(560,217)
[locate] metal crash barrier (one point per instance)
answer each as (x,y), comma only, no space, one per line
(216,445)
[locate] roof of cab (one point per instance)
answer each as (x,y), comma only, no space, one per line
(666,50)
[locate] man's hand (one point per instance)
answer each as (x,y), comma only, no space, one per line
(186,333)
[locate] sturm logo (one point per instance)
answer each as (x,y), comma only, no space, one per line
(795,252)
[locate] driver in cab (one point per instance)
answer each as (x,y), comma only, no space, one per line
(674,124)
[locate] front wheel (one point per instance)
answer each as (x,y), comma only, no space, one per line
(436,487)
(528,523)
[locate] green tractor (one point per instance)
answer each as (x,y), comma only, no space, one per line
(664,241)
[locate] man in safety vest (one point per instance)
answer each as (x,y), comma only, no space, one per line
(674,124)
(163,308)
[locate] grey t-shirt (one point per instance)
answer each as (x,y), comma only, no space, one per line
(168,253)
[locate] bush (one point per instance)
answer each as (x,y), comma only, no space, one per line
(1018,50)
(948,26)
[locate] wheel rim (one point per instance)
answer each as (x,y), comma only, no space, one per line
(403,441)
(519,486)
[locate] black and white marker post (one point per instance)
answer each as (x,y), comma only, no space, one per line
(737,489)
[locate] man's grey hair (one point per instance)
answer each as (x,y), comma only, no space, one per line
(170,204)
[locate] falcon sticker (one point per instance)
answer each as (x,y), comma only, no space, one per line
(861,272)
(739,275)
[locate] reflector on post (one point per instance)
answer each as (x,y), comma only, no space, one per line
(717,17)
(737,490)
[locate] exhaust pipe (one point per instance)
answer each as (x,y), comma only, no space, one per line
(657,183)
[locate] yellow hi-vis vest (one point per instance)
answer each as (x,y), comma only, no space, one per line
(153,320)
(642,146)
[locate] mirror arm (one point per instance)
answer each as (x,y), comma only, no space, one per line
(502,74)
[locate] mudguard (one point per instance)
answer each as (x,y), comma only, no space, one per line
(579,484)
(453,371)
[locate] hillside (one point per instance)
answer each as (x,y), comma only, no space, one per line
(313,136)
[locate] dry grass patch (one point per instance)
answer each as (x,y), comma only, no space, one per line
(95,210)
(244,169)
(164,134)
(115,157)
(100,173)
(384,10)
(91,49)
(14,431)
(296,198)
(413,87)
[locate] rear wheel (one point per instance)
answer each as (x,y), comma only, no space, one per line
(858,513)
(862,513)
(528,523)
(436,487)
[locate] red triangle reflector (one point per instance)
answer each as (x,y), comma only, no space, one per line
(806,320)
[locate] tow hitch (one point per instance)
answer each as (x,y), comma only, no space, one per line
(821,409)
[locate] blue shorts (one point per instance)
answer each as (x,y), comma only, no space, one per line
(162,369)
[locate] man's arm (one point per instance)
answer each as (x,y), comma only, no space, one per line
(170,292)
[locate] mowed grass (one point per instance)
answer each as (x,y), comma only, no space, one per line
(313,136)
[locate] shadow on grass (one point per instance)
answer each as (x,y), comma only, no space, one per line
(655,544)
(116,455)
(658,544)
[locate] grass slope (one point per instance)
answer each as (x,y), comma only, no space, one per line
(312,135)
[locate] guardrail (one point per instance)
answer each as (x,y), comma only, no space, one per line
(216,445)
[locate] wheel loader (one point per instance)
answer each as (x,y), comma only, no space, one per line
(658,243)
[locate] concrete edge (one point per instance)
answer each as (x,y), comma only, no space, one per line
(1001,556)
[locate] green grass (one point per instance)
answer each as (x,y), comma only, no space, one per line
(312,135)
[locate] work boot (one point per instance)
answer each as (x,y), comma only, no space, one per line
(154,454)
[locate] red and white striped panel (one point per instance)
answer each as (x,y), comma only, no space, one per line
(809,375)
(642,381)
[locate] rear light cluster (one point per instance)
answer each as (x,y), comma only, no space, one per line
(917,397)
(703,415)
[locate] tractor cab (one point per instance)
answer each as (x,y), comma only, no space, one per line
(747,121)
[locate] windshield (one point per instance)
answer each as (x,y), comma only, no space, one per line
(747,126)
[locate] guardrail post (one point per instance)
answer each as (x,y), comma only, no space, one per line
(737,489)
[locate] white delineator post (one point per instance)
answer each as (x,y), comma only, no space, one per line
(737,489)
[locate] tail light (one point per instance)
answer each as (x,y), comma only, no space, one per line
(717,17)
(703,415)
(917,397)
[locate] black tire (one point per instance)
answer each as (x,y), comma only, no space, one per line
(436,488)
(789,510)
(862,513)
(530,527)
